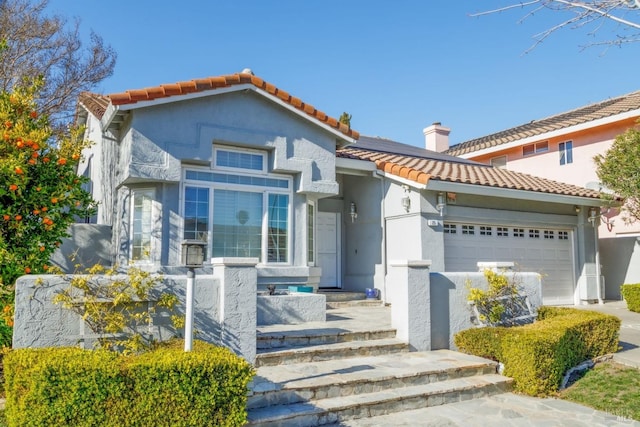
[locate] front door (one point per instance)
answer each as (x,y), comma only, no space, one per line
(328,247)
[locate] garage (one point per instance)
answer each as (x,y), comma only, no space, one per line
(543,250)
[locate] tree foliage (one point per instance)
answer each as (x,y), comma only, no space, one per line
(607,22)
(40,192)
(35,45)
(619,171)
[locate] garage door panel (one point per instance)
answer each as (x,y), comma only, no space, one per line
(537,250)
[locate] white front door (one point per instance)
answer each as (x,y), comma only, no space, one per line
(328,247)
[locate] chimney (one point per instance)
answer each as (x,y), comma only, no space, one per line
(436,137)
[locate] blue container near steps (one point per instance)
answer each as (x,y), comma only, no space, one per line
(371,293)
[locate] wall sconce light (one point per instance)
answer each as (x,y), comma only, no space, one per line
(577,209)
(406,200)
(442,203)
(593,216)
(353,211)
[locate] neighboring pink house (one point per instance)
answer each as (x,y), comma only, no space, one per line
(561,147)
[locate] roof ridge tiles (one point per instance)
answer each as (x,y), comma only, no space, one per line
(186,87)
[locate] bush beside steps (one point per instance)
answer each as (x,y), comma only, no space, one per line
(163,387)
(631,294)
(537,355)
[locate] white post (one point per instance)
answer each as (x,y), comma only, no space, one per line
(188,324)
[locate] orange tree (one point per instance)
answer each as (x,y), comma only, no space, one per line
(40,193)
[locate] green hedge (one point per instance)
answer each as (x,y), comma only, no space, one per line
(537,355)
(164,387)
(631,294)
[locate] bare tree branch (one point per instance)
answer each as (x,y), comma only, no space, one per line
(596,16)
(40,46)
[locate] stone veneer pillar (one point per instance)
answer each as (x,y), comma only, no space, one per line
(238,307)
(411,303)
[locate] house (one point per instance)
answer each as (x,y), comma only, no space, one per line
(561,147)
(254,172)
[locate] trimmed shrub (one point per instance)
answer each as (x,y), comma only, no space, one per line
(631,294)
(483,342)
(536,356)
(164,387)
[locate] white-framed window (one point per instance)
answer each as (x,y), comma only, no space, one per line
(142,224)
(499,162)
(518,232)
(486,230)
(563,235)
(238,208)
(468,229)
(534,234)
(450,229)
(566,152)
(502,231)
(311,233)
(549,234)
(538,147)
(242,160)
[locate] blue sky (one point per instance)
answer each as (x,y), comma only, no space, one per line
(395,66)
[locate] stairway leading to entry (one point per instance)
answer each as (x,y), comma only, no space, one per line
(352,366)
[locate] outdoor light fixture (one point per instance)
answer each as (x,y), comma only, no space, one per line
(353,211)
(192,257)
(593,216)
(442,203)
(406,200)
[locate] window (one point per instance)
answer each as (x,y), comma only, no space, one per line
(235,159)
(566,152)
(539,147)
(485,231)
(549,234)
(499,162)
(502,232)
(468,229)
(534,234)
(141,224)
(563,235)
(518,232)
(450,229)
(311,234)
(241,211)
(196,214)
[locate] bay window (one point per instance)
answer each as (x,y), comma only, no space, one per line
(238,208)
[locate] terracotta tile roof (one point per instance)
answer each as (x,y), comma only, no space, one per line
(600,110)
(436,166)
(96,104)
(210,84)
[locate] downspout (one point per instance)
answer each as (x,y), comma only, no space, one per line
(596,248)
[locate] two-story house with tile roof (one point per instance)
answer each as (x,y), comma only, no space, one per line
(562,147)
(254,172)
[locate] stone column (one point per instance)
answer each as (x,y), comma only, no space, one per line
(238,312)
(411,306)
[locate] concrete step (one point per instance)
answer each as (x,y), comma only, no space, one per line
(294,383)
(338,295)
(285,338)
(335,409)
(339,350)
(355,303)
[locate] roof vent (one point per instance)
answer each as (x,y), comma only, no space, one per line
(247,71)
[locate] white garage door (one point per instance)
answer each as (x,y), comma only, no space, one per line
(545,251)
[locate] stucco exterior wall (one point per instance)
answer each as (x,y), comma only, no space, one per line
(449,311)
(620,259)
(87,245)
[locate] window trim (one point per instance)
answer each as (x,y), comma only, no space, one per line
(565,150)
(264,191)
(538,147)
(154,211)
(218,148)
